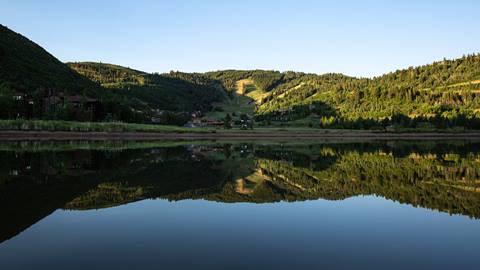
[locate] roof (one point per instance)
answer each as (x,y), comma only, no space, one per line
(78,98)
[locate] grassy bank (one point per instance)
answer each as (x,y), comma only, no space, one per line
(50,125)
(119,127)
(41,146)
(122,145)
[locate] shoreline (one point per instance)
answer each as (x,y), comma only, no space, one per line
(16,135)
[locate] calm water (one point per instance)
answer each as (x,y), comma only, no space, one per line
(377,205)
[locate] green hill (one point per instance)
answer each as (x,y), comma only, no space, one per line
(175,91)
(34,84)
(28,73)
(27,67)
(247,89)
(443,94)
(108,74)
(265,80)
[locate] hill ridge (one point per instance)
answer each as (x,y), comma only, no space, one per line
(442,94)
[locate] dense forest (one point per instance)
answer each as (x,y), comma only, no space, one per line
(175,91)
(444,94)
(263,79)
(106,74)
(441,95)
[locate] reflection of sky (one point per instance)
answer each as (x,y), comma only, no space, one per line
(362,232)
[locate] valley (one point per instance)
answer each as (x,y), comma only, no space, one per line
(34,85)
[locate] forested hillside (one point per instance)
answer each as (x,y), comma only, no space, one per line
(443,94)
(174,91)
(264,79)
(34,84)
(107,74)
(27,67)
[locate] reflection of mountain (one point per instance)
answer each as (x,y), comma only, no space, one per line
(445,177)
(33,185)
(452,189)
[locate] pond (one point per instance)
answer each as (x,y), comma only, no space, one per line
(240,205)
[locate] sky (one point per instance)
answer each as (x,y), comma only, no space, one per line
(358,38)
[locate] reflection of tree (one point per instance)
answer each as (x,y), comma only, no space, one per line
(420,181)
(443,176)
(33,185)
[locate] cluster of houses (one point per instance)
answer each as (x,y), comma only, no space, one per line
(186,119)
(89,109)
(198,119)
(245,122)
(27,106)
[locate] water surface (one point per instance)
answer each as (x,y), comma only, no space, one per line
(373,205)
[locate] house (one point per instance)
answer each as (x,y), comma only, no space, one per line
(81,101)
(156,120)
(47,102)
(83,108)
(24,105)
(18,96)
(190,125)
(210,122)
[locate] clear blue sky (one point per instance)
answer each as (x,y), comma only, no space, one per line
(361,38)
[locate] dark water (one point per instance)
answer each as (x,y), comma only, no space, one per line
(377,205)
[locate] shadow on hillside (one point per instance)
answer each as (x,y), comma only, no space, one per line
(327,117)
(319,109)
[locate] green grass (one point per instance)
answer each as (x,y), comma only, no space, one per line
(51,125)
(237,105)
(54,146)
(242,102)
(299,129)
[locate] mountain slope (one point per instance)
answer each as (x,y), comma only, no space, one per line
(247,89)
(106,74)
(27,67)
(175,91)
(444,94)
(34,84)
(265,80)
